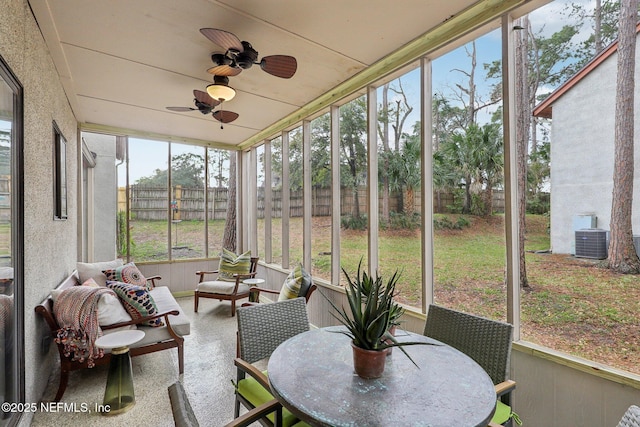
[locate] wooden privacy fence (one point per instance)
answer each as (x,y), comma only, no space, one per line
(151,203)
(5,199)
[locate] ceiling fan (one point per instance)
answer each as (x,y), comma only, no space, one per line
(205,104)
(240,55)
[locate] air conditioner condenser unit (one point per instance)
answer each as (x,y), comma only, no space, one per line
(591,243)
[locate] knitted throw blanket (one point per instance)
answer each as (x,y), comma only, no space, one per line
(76,310)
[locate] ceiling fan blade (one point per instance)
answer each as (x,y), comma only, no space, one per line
(222,38)
(224,70)
(204,98)
(181,109)
(224,116)
(279,65)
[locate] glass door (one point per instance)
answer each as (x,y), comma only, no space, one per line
(11,250)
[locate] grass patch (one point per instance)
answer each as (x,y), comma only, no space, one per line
(572,304)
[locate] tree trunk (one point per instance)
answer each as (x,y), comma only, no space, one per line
(597,30)
(488,199)
(522,137)
(466,208)
(229,238)
(622,254)
(409,202)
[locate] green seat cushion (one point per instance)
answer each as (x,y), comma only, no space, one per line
(502,414)
(251,390)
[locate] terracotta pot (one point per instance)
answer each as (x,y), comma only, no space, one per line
(392,330)
(368,364)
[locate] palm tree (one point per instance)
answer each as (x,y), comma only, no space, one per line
(404,172)
(490,158)
(461,153)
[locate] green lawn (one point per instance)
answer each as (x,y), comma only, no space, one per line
(572,304)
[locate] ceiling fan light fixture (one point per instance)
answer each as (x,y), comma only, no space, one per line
(220,90)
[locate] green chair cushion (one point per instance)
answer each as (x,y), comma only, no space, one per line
(503,414)
(253,391)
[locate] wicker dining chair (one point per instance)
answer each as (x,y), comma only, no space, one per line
(261,329)
(631,418)
(488,342)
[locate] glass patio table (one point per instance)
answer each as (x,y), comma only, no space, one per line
(312,375)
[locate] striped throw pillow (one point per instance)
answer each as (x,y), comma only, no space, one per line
(231,264)
(296,284)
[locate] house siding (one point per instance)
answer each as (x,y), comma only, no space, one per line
(50,246)
(582,153)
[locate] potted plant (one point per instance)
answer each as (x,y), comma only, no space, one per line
(371,314)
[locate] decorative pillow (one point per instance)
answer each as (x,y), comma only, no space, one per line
(137,301)
(94,270)
(127,273)
(110,309)
(90,282)
(296,284)
(231,264)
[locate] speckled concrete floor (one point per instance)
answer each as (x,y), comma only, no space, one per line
(208,371)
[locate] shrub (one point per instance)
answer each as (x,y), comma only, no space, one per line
(121,237)
(403,221)
(354,222)
(441,222)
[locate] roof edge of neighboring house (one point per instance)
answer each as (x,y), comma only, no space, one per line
(544,109)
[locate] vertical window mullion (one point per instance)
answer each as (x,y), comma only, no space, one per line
(426,135)
(285,199)
(510,177)
(372,177)
(335,195)
(306,187)
(268,203)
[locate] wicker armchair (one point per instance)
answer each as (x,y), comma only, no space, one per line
(488,342)
(631,418)
(260,330)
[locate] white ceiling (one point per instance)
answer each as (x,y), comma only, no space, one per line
(122,61)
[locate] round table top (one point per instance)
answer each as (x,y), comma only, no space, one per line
(254,281)
(119,339)
(312,375)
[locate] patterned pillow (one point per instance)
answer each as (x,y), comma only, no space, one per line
(296,284)
(137,301)
(231,264)
(127,273)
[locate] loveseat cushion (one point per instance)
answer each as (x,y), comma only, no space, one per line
(221,287)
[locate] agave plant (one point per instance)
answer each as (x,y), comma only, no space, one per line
(372,311)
